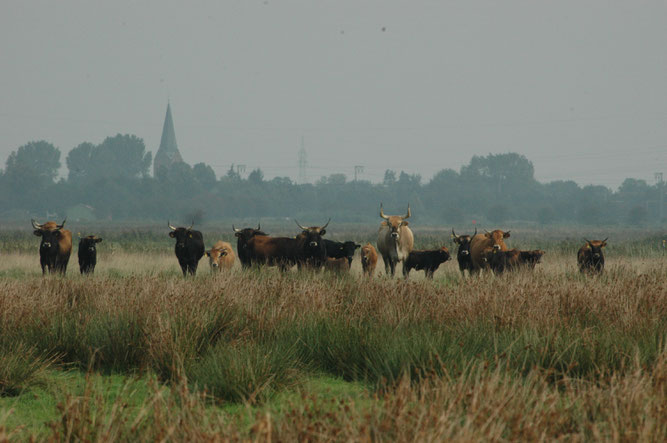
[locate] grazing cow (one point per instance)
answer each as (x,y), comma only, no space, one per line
(395,240)
(480,243)
(512,260)
(88,254)
(55,247)
(337,265)
(590,257)
(189,248)
(221,256)
(307,248)
(463,252)
(369,259)
(243,236)
(336,249)
(428,261)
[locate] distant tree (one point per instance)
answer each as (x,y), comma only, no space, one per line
(638,215)
(256,176)
(389,178)
(32,166)
(337,179)
(232,174)
(204,175)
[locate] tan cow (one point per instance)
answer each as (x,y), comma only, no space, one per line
(221,256)
(55,247)
(482,243)
(395,240)
(369,259)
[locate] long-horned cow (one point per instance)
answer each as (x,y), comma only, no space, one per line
(463,252)
(395,240)
(189,248)
(482,243)
(55,247)
(590,256)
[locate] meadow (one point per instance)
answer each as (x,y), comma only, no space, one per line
(136,352)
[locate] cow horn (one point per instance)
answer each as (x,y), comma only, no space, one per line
(297,223)
(35,224)
(408,214)
(386,217)
(475,231)
(191,224)
(60,226)
(604,240)
(170,226)
(587,240)
(235,230)
(486,231)
(327,223)
(258,227)
(454,234)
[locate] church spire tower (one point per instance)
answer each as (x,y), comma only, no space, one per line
(168,153)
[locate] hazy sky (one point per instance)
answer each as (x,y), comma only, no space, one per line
(579,87)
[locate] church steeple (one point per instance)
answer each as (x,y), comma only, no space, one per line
(168,153)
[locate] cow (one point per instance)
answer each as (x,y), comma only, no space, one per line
(55,247)
(428,261)
(221,256)
(337,265)
(369,259)
(242,238)
(336,249)
(189,248)
(590,257)
(307,248)
(480,243)
(88,253)
(463,253)
(395,240)
(512,260)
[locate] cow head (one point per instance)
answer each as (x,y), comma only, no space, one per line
(348,249)
(88,243)
(596,247)
(394,222)
(497,237)
(312,235)
(246,234)
(182,235)
(50,233)
(531,258)
(463,241)
(366,252)
(214,256)
(443,254)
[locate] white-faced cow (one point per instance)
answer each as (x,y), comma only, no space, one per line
(395,240)
(55,247)
(189,248)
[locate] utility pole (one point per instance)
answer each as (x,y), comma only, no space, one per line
(303,161)
(358,170)
(661,195)
(240,169)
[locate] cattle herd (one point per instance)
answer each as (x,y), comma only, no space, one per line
(308,249)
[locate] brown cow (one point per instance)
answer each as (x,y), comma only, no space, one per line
(55,247)
(337,265)
(512,260)
(428,261)
(482,242)
(221,256)
(590,257)
(369,259)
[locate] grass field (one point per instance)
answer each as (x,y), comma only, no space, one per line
(136,352)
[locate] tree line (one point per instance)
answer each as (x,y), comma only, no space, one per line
(111,181)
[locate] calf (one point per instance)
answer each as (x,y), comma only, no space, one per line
(336,249)
(369,259)
(337,265)
(221,256)
(463,253)
(512,260)
(428,261)
(88,254)
(590,257)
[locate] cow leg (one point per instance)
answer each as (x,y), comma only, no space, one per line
(406,271)
(387,266)
(392,265)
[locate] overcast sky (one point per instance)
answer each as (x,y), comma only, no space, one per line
(579,87)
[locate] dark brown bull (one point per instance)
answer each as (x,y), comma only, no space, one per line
(590,256)
(512,260)
(55,247)
(243,236)
(307,248)
(463,253)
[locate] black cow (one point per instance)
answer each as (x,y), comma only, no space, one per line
(512,260)
(88,254)
(590,257)
(189,248)
(428,261)
(336,249)
(242,238)
(55,247)
(463,253)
